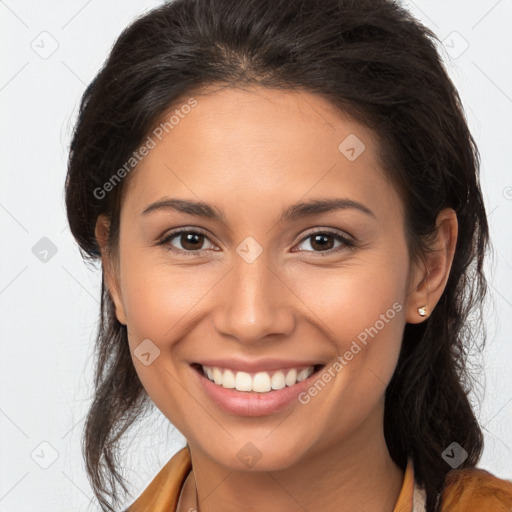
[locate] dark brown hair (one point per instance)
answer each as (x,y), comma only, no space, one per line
(378,64)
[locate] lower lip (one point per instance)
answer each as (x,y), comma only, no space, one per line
(252,403)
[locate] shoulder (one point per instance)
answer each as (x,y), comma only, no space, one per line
(162,493)
(474,489)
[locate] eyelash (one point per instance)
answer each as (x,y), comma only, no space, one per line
(347,242)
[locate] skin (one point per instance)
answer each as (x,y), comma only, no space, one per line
(252,153)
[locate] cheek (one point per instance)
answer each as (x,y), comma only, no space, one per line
(360,308)
(351,298)
(161,302)
(159,297)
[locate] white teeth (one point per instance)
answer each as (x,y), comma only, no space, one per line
(261,382)
(243,381)
(228,379)
(217,376)
(303,375)
(278,380)
(291,377)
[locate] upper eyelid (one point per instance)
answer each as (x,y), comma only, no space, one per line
(332,231)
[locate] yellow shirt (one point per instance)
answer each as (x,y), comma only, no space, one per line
(466,490)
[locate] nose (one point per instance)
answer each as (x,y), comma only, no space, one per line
(254,302)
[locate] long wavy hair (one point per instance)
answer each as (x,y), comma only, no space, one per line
(373,60)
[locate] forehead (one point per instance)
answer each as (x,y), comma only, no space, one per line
(258,145)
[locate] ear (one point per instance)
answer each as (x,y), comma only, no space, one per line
(428,283)
(101,232)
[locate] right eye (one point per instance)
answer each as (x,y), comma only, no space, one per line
(191,242)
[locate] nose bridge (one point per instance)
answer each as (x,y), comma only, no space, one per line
(255,302)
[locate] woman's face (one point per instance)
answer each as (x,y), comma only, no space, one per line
(261,282)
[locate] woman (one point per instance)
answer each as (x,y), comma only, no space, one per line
(285,199)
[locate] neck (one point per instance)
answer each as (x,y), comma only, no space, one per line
(356,475)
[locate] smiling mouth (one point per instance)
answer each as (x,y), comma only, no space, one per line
(256,382)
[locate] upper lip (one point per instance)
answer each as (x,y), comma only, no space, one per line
(261,365)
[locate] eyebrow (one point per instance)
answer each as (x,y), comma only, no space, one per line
(293,212)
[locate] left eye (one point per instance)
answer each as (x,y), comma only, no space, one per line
(324,241)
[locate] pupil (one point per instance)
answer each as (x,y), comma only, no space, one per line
(190,239)
(322,246)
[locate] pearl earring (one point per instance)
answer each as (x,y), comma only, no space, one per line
(422,311)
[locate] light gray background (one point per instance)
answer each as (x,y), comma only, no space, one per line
(49,309)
